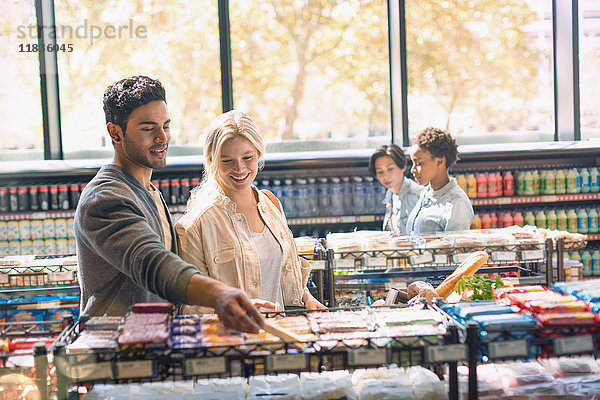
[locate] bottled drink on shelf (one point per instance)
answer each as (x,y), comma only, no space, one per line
(582,221)
(358,196)
(572,177)
(585,180)
(494,220)
(561,182)
(593,221)
(287,199)
(491,187)
(596,263)
(482,185)
(551,219)
(574,255)
(540,219)
(549,182)
(476,223)
(335,196)
(561,220)
(277,190)
(586,261)
(471,186)
(300,199)
(323,195)
(537,182)
(462,182)
(594,180)
(347,196)
(528,184)
(486,221)
(529,218)
(506,220)
(572,221)
(312,197)
(370,195)
(508,184)
(518,219)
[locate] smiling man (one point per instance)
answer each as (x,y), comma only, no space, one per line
(125,237)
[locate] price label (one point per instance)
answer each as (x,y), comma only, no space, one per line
(3,278)
(532,255)
(347,219)
(61,276)
(90,372)
(366,218)
(287,362)
(376,262)
(361,357)
(421,258)
(575,344)
(440,259)
(503,200)
(134,369)
(449,352)
(317,264)
(508,348)
(504,256)
(458,258)
(345,263)
(205,366)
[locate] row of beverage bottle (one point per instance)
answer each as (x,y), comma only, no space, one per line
(331,196)
(575,220)
(48,236)
(589,258)
(530,182)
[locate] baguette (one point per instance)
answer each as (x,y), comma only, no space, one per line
(466,268)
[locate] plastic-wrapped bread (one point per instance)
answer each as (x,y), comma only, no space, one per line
(466,268)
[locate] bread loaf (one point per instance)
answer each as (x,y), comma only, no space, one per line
(466,268)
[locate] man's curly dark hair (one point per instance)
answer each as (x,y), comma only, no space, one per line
(439,143)
(124,96)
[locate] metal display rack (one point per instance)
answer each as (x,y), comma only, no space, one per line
(157,364)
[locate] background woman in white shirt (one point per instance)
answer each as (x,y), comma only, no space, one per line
(443,206)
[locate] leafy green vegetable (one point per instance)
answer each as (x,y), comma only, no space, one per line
(481,286)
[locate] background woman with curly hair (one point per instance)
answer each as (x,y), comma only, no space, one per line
(443,206)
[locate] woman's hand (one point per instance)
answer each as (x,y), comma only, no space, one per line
(311,303)
(260,303)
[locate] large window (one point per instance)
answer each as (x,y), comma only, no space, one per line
(176,42)
(313,74)
(589,67)
(482,69)
(20,100)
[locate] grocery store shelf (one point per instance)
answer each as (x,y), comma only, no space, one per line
(37,215)
(346,219)
(549,198)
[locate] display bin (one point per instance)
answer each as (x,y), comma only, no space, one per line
(319,354)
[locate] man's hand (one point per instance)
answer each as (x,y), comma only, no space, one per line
(236,311)
(268,305)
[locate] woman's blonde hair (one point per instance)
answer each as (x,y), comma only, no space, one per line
(223,128)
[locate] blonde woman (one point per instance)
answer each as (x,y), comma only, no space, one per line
(234,232)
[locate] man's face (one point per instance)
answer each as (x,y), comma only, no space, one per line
(147,136)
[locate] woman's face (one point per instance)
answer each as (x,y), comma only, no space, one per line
(389,174)
(237,165)
(426,167)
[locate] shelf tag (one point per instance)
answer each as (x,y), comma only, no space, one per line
(317,264)
(90,372)
(287,362)
(366,218)
(205,366)
(508,348)
(361,357)
(376,262)
(440,259)
(449,352)
(504,256)
(63,276)
(3,278)
(458,258)
(532,255)
(344,263)
(421,258)
(134,369)
(347,219)
(574,344)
